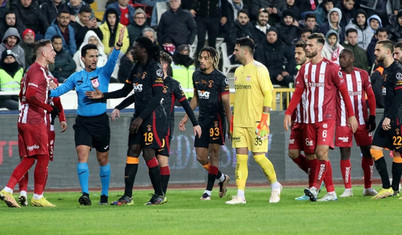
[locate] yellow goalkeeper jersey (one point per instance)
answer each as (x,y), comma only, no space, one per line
(251,81)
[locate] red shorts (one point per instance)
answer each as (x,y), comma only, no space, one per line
(32,139)
(344,136)
(321,133)
(296,136)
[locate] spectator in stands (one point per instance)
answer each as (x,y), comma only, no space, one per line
(124,10)
(311,23)
(275,9)
(395,28)
(262,25)
(364,32)
(11,73)
(140,23)
(208,15)
(348,11)
(61,26)
(381,34)
(151,34)
(28,44)
(288,28)
(332,48)
(334,20)
(177,26)
(126,64)
(155,14)
(241,28)
(374,22)
(183,69)
(28,13)
(232,8)
(273,53)
(292,7)
(74,7)
(256,7)
(3,9)
(382,8)
(51,8)
(110,29)
(90,38)
(307,5)
(304,33)
(10,20)
(84,23)
(322,11)
(10,41)
(64,64)
(360,55)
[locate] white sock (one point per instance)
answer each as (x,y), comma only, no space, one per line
(23,193)
(208,192)
(275,185)
(222,178)
(8,190)
(37,197)
(240,193)
(332,193)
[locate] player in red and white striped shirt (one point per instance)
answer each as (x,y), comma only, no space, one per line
(320,81)
(358,84)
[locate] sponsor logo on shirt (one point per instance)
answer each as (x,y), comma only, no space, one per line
(316,84)
(137,87)
(355,93)
(291,141)
(245,87)
(203,94)
(309,142)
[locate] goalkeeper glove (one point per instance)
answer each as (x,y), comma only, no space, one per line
(53,114)
(262,128)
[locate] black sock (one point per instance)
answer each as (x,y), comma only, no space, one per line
(218,176)
(396,175)
(381,166)
(129,176)
(155,176)
(211,181)
(165,182)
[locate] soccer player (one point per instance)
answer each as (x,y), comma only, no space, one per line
(320,80)
(172,91)
(211,94)
(358,84)
(383,136)
(251,108)
(32,129)
(91,124)
(149,124)
(23,184)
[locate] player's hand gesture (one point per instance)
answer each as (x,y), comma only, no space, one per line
(182,123)
(97,94)
(135,125)
(52,85)
(386,124)
(353,123)
(287,121)
(63,126)
(197,131)
(115,113)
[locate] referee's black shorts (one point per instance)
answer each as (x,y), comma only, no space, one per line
(92,131)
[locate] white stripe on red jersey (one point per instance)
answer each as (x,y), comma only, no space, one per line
(357,82)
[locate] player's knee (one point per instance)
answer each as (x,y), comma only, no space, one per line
(397,159)
(376,154)
(322,154)
(134,150)
(293,153)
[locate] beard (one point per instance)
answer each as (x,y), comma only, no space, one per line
(311,54)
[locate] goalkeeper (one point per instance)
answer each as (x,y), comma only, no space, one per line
(251,119)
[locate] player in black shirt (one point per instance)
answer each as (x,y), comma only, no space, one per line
(211,94)
(146,133)
(384,136)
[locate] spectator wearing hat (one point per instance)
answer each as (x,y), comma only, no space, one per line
(135,28)
(11,73)
(124,11)
(183,68)
(51,8)
(10,41)
(334,23)
(61,26)
(374,22)
(110,29)
(10,20)
(274,54)
(292,7)
(364,32)
(83,23)
(30,16)
(322,11)
(288,29)
(64,64)
(395,28)
(28,44)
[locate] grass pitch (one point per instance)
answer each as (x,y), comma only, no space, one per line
(186,214)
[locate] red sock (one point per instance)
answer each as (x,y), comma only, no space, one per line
(321,171)
(23,184)
(312,175)
(20,171)
(367,165)
(301,162)
(328,178)
(213,170)
(346,170)
(40,174)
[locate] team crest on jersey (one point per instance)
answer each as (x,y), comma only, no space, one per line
(137,87)
(149,127)
(236,78)
(398,76)
(165,89)
(248,78)
(144,74)
(396,131)
(325,125)
(159,73)
(226,81)
(216,123)
(210,83)
(340,74)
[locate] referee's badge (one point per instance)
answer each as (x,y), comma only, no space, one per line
(95,82)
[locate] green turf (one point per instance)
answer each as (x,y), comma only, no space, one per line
(186,214)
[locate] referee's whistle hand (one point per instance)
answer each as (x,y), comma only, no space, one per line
(287,121)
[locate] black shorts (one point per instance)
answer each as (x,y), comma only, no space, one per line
(151,132)
(382,138)
(396,130)
(166,149)
(93,131)
(213,132)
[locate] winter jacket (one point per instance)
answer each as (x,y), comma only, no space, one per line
(364,34)
(321,15)
(81,30)
(17,50)
(360,55)
(31,17)
(102,59)
(239,31)
(374,17)
(54,30)
(326,27)
(115,6)
(287,33)
(135,31)
(106,36)
(64,66)
(50,10)
(332,52)
(29,53)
